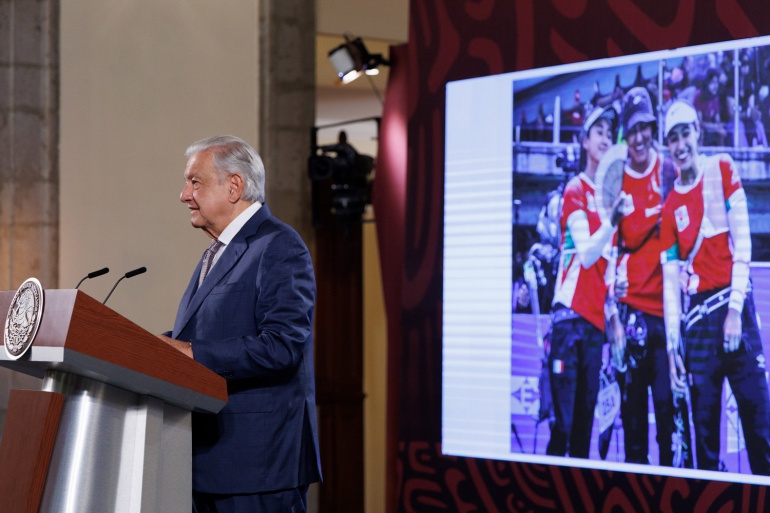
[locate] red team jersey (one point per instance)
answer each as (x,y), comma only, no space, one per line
(702,207)
(640,262)
(582,289)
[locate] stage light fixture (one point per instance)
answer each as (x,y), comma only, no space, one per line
(351,59)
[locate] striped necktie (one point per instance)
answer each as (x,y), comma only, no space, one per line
(208,258)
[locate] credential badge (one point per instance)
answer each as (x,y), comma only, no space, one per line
(682,218)
(23,318)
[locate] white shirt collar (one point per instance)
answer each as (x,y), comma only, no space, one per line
(233,228)
(636,174)
(587,179)
(236,224)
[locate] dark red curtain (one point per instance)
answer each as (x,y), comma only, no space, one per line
(450,40)
(388,199)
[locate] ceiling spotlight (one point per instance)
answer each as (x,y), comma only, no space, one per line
(351,59)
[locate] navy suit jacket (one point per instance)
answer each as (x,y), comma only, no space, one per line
(251,322)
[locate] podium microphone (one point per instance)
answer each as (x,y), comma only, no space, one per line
(93,274)
(129,274)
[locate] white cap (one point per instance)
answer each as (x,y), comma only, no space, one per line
(680,112)
(607,113)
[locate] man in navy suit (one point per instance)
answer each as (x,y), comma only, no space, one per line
(247,315)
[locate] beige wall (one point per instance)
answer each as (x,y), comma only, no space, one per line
(371,19)
(375,375)
(140,80)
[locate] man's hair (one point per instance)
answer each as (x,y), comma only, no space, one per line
(232,155)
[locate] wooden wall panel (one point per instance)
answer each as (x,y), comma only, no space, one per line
(25,452)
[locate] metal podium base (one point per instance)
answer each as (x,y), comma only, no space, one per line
(116,451)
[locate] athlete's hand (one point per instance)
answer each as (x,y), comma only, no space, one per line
(733,329)
(621,288)
(617,339)
(618,210)
(677,373)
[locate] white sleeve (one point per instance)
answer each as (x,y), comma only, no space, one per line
(610,275)
(740,235)
(589,247)
(672,309)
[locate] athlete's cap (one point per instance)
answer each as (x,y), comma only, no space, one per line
(637,108)
(680,112)
(609,113)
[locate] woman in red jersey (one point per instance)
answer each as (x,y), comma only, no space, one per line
(641,304)
(577,332)
(705,225)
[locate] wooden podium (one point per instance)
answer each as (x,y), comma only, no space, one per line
(110,429)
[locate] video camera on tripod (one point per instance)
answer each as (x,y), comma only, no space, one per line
(341,179)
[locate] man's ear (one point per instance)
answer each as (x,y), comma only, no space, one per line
(235,187)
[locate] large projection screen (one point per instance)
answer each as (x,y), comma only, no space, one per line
(511,141)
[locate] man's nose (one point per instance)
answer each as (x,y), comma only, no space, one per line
(185,195)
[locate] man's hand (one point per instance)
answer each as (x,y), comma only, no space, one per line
(182,347)
(677,373)
(617,339)
(733,329)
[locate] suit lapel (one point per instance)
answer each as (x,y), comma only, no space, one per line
(193,296)
(186,297)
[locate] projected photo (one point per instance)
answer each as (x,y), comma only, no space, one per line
(639,261)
